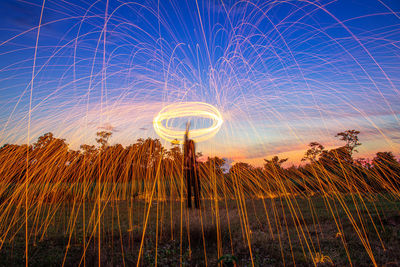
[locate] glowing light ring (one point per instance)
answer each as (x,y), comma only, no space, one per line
(187,109)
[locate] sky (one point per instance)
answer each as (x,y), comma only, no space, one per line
(281,73)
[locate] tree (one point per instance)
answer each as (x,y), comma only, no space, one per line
(385,159)
(274,166)
(88,150)
(50,143)
(241,169)
(313,152)
(103,138)
(49,149)
(175,153)
(335,158)
(387,167)
(215,165)
(351,139)
(275,161)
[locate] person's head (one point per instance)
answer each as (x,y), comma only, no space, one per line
(187,131)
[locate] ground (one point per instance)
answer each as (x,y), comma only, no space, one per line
(195,239)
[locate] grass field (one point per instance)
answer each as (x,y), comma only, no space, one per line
(175,235)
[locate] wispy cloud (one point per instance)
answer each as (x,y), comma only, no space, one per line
(108,127)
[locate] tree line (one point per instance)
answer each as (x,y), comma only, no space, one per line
(146,163)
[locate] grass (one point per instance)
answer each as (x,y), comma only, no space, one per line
(177,239)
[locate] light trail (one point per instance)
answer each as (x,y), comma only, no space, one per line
(163,123)
(254,78)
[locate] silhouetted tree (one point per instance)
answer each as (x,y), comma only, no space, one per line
(137,165)
(215,165)
(275,162)
(274,172)
(388,168)
(88,150)
(351,139)
(313,152)
(339,161)
(102,139)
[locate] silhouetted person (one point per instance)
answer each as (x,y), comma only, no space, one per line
(190,170)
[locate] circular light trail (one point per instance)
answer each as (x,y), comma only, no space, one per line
(162,123)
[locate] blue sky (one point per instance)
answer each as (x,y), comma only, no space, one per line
(282,73)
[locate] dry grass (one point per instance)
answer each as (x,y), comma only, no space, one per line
(199,238)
